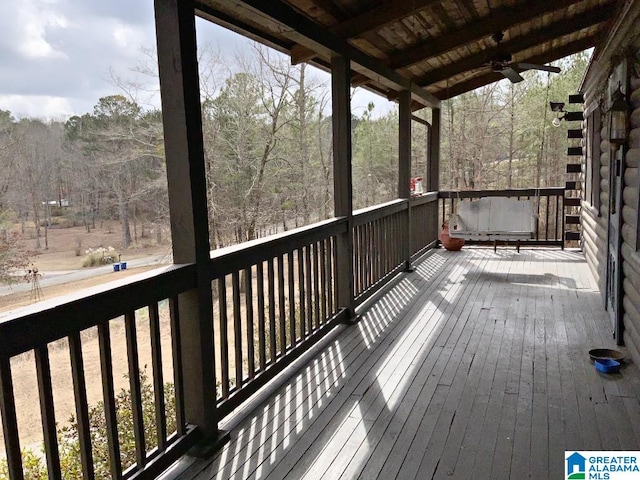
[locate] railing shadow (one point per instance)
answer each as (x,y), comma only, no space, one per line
(345,397)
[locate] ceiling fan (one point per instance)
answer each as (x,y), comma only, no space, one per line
(501,63)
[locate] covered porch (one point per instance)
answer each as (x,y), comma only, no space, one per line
(475,365)
(473,362)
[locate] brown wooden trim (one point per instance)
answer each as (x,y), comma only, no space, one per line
(239,397)
(343,177)
(108,398)
(81,406)
(515,192)
(304,27)
(178,377)
(519,44)
(483,27)
(371,214)
(24,329)
(135,389)
(228,260)
(379,16)
(47,412)
(9,420)
(187,188)
(158,377)
(433,168)
(482,80)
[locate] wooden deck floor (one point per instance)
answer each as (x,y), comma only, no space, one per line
(474,366)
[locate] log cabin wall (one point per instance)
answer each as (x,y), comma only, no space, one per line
(594,223)
(631,201)
(622,46)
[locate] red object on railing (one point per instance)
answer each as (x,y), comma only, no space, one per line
(415,186)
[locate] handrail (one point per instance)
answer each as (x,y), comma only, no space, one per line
(428,197)
(235,257)
(273,298)
(513,192)
(29,327)
(369,214)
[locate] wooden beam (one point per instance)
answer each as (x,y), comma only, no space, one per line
(368,21)
(480,81)
(421,121)
(404,171)
(300,54)
(433,167)
(336,11)
(499,20)
(404,144)
(184,150)
(357,80)
(303,30)
(380,16)
(553,31)
(342,179)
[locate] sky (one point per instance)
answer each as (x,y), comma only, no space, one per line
(58,57)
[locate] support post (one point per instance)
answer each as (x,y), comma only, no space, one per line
(184,150)
(404,171)
(342,179)
(433,168)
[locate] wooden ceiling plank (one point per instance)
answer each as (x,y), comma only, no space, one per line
(378,17)
(479,81)
(302,29)
(500,20)
(554,30)
(366,22)
(332,9)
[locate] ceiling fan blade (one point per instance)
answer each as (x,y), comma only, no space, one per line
(511,74)
(534,66)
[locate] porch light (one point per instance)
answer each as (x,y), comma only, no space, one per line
(618,118)
(557,107)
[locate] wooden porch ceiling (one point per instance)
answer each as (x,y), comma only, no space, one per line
(438,48)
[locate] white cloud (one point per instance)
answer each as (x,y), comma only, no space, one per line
(36,18)
(127,37)
(40,106)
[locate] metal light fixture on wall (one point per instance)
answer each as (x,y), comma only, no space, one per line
(618,118)
(557,107)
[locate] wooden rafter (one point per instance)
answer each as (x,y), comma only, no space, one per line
(374,19)
(303,30)
(500,20)
(479,81)
(555,30)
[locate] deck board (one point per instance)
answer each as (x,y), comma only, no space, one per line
(473,366)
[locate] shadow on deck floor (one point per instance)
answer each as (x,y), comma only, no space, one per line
(473,366)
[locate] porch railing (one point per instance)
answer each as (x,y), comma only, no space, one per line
(151,299)
(273,299)
(548,204)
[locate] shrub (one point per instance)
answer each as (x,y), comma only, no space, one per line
(34,465)
(99,256)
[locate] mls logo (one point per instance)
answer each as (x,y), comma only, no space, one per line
(575,466)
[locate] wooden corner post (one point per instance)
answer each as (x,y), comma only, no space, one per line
(404,171)
(184,150)
(342,179)
(433,178)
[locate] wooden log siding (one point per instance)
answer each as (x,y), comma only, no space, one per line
(630,234)
(594,223)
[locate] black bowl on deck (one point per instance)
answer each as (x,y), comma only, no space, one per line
(606,354)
